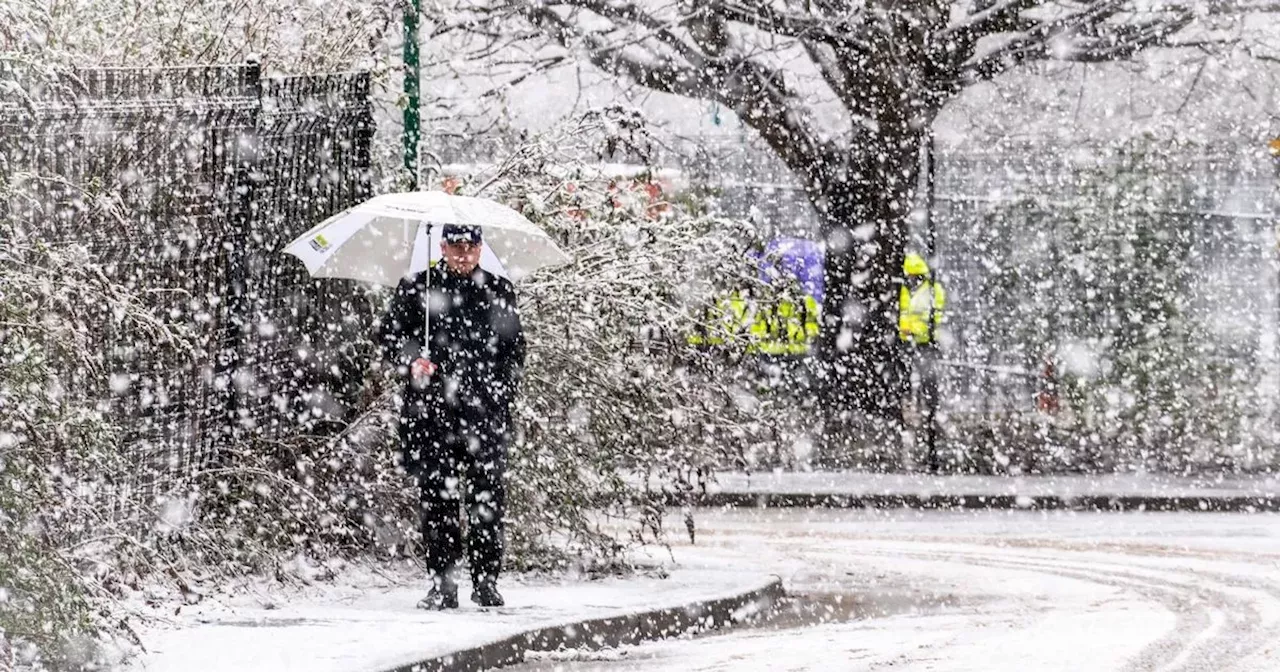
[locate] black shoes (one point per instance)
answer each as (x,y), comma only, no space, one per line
(443,595)
(486,594)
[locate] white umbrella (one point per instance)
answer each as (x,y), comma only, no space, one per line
(392,236)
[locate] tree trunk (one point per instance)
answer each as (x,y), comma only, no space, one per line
(864,211)
(860,362)
(863,194)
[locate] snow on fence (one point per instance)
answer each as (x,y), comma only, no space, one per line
(183,183)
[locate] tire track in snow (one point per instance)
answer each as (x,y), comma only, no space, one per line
(1218,620)
(1194,629)
(1188,625)
(1225,608)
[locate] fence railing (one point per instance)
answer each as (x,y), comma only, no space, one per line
(184,183)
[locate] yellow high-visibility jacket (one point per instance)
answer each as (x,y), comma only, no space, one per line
(914,309)
(725,322)
(779,329)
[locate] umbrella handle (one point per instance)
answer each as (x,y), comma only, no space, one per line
(426,305)
(424,352)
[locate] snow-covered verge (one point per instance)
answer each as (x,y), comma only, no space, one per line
(363,617)
(1065,486)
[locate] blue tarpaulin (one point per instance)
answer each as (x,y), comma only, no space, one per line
(798,258)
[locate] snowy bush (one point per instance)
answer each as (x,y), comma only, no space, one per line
(1172,392)
(278,504)
(59,450)
(286,34)
(612,393)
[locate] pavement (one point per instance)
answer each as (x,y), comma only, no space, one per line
(364,619)
(1107,492)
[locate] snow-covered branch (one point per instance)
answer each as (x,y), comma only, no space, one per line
(1089,34)
(628,15)
(641,66)
(998,17)
(842,31)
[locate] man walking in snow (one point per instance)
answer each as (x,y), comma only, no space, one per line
(455,417)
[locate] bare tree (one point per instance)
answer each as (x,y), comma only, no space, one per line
(889,65)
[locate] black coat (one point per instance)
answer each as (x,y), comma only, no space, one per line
(476,341)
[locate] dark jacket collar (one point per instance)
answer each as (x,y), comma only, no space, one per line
(443,277)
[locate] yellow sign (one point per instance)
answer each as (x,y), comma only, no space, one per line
(320,243)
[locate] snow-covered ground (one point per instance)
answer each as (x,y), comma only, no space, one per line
(365,620)
(989,591)
(994,591)
(1065,486)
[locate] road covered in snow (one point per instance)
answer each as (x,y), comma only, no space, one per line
(989,591)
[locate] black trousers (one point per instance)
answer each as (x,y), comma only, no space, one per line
(450,453)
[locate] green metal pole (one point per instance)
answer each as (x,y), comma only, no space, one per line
(412,126)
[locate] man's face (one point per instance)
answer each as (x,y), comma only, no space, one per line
(461,258)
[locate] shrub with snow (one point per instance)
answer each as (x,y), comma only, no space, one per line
(59,452)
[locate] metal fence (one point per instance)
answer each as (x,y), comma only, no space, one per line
(1008,248)
(183,183)
(1135,271)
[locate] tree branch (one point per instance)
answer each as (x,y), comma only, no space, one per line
(621,12)
(754,91)
(825,57)
(1082,36)
(763,16)
(1102,42)
(659,74)
(999,17)
(1219,7)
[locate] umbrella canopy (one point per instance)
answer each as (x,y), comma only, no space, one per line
(392,236)
(799,258)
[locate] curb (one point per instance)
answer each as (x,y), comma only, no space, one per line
(605,632)
(1228,504)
